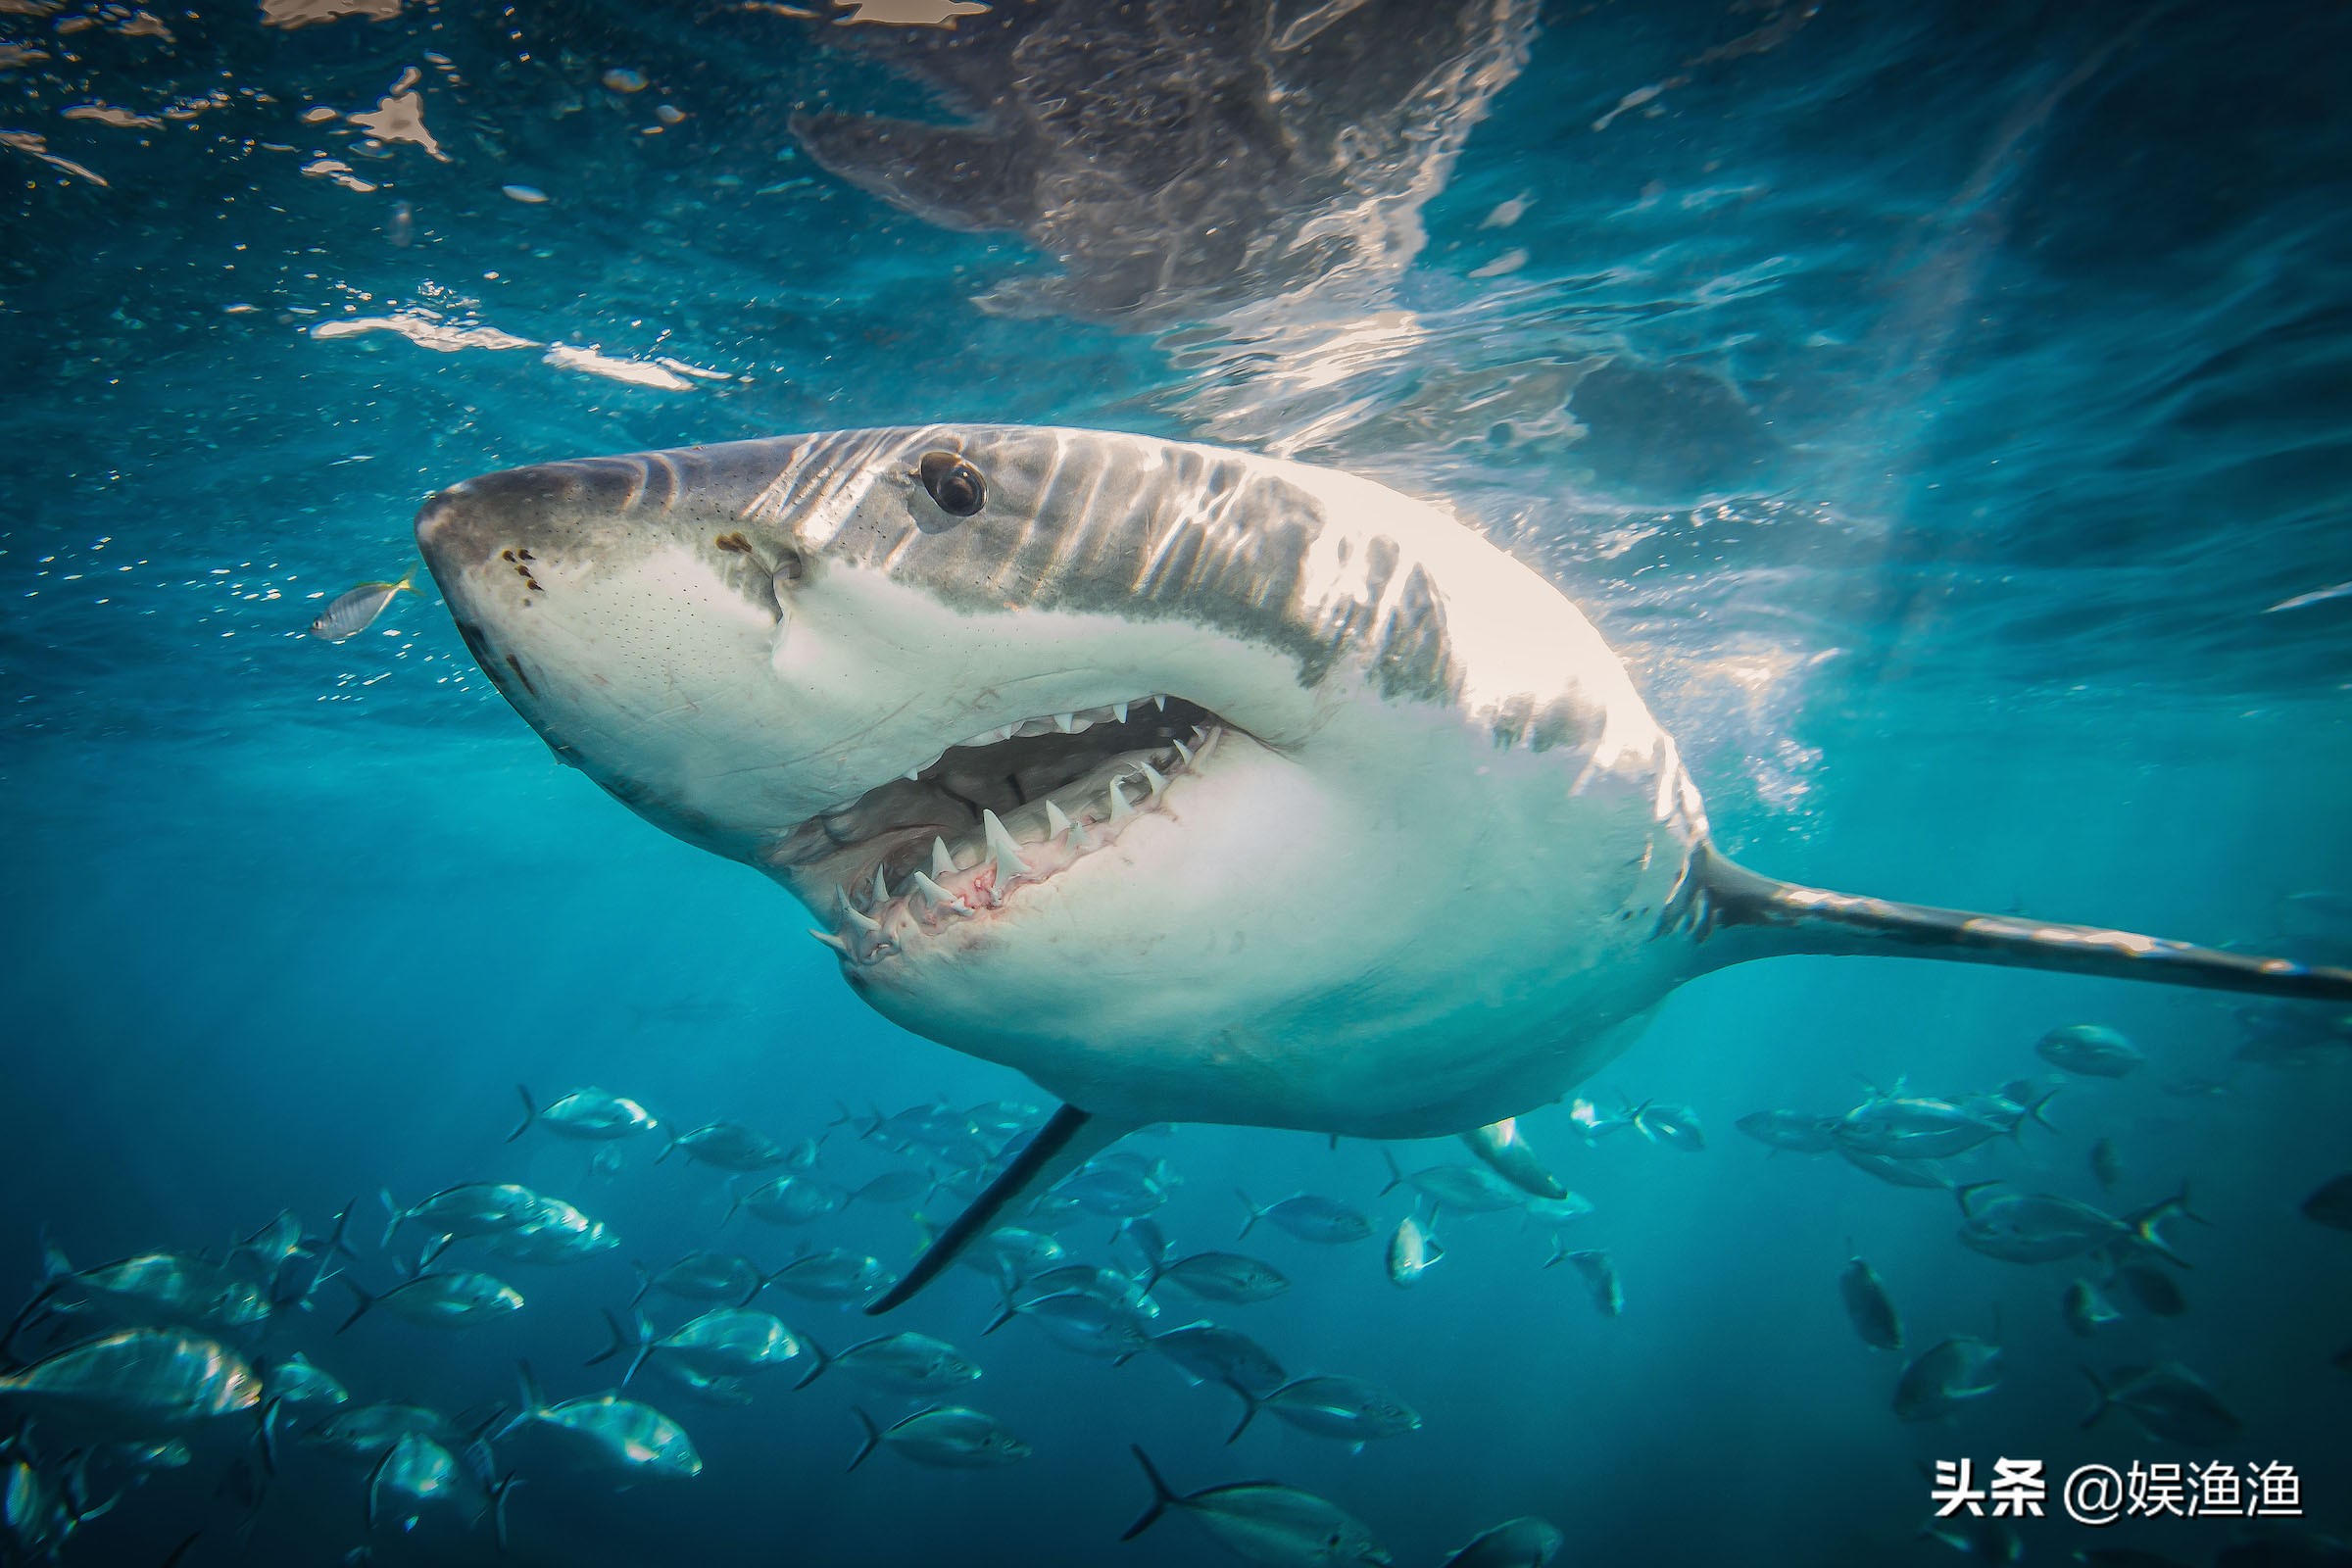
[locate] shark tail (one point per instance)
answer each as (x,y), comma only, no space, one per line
(1069,1138)
(1752,916)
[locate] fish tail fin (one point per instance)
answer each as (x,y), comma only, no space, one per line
(1396,1173)
(2035,1110)
(408,580)
(1740,915)
(499,1493)
(54,1265)
(621,1341)
(530,1114)
(392,1213)
(431,1253)
(873,1437)
(533,1400)
(818,1361)
(1255,1213)
(1162,1496)
(375,1482)
(1250,1404)
(265,1435)
(2105,1397)
(669,1146)
(1962,1192)
(1011,1311)
(645,1283)
(642,1327)
(1068,1140)
(365,1301)
(335,1237)
(1560,1253)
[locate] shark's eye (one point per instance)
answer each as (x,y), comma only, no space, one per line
(791,567)
(954,483)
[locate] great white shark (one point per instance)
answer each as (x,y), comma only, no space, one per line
(1193,784)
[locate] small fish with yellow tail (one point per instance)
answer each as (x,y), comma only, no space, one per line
(355,611)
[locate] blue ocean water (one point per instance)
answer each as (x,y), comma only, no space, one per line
(1941,408)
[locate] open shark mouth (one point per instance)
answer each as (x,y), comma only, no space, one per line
(1010,807)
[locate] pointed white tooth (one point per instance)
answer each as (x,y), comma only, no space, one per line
(1159,701)
(858,917)
(1065,722)
(912,774)
(1080,839)
(1118,711)
(1120,811)
(1183,750)
(1209,743)
(1058,822)
(881,889)
(1000,848)
(833,942)
(943,865)
(940,897)
(1006,733)
(1159,786)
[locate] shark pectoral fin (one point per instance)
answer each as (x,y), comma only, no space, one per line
(1742,915)
(958,177)
(1068,1140)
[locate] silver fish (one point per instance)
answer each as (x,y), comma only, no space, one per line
(1323,1220)
(142,1378)
(728,1144)
(454,1299)
(1464,1189)
(607,1432)
(1343,1407)
(1913,1128)
(1868,1305)
(1524,1542)
(2087,1310)
(1265,1522)
(791,1199)
(704,1277)
(355,610)
(901,1363)
(1411,1250)
(591,1116)
(1221,1276)
(1947,1375)
(2090,1050)
(833,1276)
(1084,1323)
(2034,1227)
(1791,1130)
(1504,1146)
(2169,1402)
(949,1437)
(1210,1353)
(1599,1275)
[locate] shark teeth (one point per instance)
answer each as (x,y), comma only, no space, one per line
(1075,721)
(1001,848)
(1043,838)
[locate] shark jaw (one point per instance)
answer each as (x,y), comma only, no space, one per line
(1066,786)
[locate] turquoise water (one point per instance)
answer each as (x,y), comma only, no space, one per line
(1941,410)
